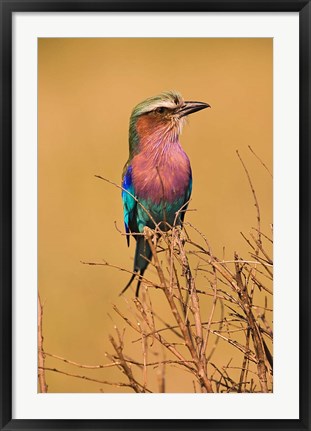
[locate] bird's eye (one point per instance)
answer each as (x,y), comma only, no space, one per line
(160,110)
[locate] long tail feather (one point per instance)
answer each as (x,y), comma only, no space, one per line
(142,255)
(138,286)
(128,284)
(141,261)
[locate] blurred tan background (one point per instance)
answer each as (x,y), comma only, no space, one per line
(87,89)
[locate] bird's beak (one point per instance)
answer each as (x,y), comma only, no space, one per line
(191,107)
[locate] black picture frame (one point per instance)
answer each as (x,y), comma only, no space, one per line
(8,7)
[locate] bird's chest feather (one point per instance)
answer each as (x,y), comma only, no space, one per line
(161,179)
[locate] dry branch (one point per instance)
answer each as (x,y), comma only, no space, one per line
(41,355)
(200,290)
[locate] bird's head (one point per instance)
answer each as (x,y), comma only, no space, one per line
(160,117)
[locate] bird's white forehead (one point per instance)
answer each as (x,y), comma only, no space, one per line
(168,100)
(162,103)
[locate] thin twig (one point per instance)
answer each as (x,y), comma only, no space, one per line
(41,355)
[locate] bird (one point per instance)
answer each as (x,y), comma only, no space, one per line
(157,177)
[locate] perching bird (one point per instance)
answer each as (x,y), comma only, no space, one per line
(158,171)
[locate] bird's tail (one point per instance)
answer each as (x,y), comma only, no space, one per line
(142,258)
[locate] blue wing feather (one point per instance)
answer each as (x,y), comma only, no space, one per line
(129,203)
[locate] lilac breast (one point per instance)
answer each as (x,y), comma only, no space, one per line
(163,178)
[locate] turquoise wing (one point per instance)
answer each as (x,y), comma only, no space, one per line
(129,202)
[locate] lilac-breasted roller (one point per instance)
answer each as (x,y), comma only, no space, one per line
(157,173)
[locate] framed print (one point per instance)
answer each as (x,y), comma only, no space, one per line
(155,215)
